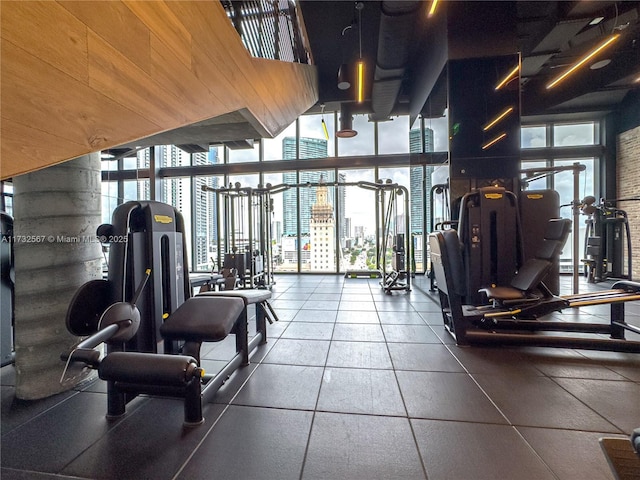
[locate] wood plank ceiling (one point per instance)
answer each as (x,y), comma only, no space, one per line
(79,77)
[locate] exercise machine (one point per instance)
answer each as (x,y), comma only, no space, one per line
(606,237)
(152,327)
(515,314)
(392,231)
(245,248)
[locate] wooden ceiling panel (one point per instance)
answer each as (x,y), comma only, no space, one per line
(60,36)
(161,21)
(118,26)
(87,76)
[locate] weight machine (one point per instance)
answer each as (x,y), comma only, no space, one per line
(390,228)
(606,237)
(245,247)
(152,327)
(398,277)
(513,316)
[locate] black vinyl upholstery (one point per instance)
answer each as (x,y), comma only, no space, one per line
(529,276)
(203,319)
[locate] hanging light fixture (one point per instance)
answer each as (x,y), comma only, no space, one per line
(346,122)
(360,64)
(344,76)
(344,82)
(324,125)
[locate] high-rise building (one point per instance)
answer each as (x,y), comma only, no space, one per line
(419,188)
(322,232)
(308,148)
(205,208)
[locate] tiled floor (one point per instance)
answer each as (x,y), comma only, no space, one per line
(353,384)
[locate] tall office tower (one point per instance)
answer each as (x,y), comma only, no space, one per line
(309,148)
(205,212)
(323,236)
(419,190)
(342,199)
(144,161)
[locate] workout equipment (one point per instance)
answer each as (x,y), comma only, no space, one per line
(386,207)
(606,237)
(6,289)
(623,455)
(245,247)
(513,318)
(154,334)
(489,222)
(391,229)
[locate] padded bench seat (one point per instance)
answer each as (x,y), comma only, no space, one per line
(247,296)
(203,318)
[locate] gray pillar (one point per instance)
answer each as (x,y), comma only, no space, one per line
(56,212)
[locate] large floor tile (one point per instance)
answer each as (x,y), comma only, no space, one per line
(403,318)
(359,355)
(10,474)
(282,386)
(150,443)
(409,334)
(299,352)
(349,305)
(320,305)
(618,402)
(535,401)
(252,443)
(494,361)
(446,396)
(373,392)
(357,333)
(54,438)
(357,317)
(572,455)
(361,447)
(428,357)
(401,307)
(309,331)
(317,316)
(476,451)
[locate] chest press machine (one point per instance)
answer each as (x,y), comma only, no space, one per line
(152,329)
(514,315)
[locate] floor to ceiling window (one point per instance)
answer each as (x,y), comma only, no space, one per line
(351,245)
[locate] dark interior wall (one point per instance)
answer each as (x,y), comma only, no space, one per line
(626,118)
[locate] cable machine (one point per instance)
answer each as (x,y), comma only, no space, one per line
(245,244)
(398,277)
(606,237)
(390,231)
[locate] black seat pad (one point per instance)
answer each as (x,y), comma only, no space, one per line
(203,318)
(248,296)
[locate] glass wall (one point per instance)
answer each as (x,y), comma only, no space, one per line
(357,237)
(350,213)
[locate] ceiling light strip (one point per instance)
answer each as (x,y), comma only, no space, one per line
(432,8)
(497,119)
(583,60)
(508,77)
(494,141)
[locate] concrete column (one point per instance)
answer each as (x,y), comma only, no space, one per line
(56,213)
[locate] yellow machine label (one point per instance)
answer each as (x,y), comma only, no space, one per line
(535,196)
(493,196)
(163,219)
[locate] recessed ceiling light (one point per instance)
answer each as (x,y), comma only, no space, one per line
(596,21)
(599,64)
